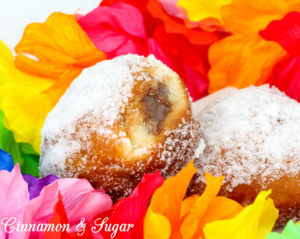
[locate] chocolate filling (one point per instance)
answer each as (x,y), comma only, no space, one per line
(157,106)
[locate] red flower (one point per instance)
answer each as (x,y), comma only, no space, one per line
(130,210)
(144,27)
(59,218)
(286,73)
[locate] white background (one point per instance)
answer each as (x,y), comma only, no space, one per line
(16,14)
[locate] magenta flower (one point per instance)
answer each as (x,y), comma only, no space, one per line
(79,198)
(14,198)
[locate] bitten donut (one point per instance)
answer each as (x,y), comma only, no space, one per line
(120,119)
(252,137)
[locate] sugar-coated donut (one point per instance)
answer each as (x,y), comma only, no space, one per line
(252,137)
(120,119)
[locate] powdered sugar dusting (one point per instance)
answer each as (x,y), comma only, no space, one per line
(180,143)
(111,80)
(103,89)
(252,133)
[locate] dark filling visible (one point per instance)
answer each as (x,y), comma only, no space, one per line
(157,107)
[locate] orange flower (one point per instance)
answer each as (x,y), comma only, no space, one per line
(240,61)
(170,217)
(245,58)
(62,50)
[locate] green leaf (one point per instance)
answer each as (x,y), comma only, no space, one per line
(21,153)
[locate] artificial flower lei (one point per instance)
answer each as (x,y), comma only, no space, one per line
(156,208)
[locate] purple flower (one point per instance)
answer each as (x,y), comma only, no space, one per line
(36,185)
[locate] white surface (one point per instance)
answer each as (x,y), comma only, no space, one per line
(199,105)
(15,15)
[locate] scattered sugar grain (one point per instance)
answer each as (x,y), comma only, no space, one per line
(258,131)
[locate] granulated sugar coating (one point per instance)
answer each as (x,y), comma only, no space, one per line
(252,137)
(120,119)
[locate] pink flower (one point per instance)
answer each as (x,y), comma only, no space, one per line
(115,32)
(14,198)
(144,27)
(79,198)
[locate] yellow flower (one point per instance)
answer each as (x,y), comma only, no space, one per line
(24,105)
(202,9)
(254,222)
(158,226)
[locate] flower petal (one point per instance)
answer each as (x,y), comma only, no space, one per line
(248,17)
(59,217)
(110,29)
(58,44)
(240,61)
(285,76)
(62,50)
(26,126)
(201,9)
(14,198)
(195,79)
(21,153)
(83,201)
(188,204)
(157,226)
(286,32)
(36,185)
(291,231)
(132,210)
(193,218)
(167,199)
(255,221)
(92,203)
(6,161)
(16,87)
(175,25)
(207,208)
